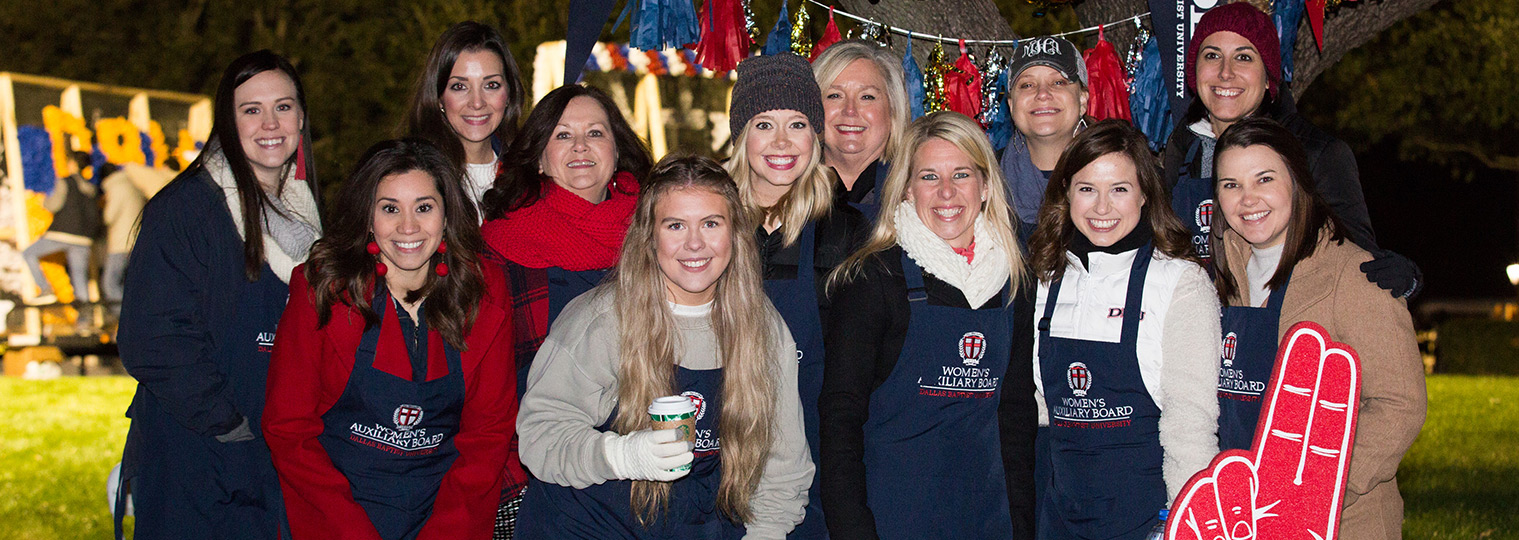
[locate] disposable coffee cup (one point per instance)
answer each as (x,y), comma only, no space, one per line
(675,412)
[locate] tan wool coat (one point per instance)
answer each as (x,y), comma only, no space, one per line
(1329,288)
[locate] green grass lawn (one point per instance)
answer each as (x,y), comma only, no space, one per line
(1461,480)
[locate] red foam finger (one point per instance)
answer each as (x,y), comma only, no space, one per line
(1196,517)
(1237,490)
(1331,436)
(1284,421)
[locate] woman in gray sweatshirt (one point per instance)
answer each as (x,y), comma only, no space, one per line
(684,313)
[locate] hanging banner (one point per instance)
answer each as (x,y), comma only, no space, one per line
(1173,22)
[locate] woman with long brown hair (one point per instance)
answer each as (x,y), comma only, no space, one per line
(390,407)
(205,286)
(466,101)
(1125,356)
(927,414)
(1283,259)
(683,314)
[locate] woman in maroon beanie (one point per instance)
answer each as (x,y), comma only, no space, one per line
(1234,67)
(556,218)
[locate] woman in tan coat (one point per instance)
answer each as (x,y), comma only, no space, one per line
(1282,258)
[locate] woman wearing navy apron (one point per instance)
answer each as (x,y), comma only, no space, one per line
(926,410)
(865,113)
(467,101)
(205,287)
(683,314)
(556,218)
(1125,356)
(390,401)
(1234,67)
(1282,260)
(803,232)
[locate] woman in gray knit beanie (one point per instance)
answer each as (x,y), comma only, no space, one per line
(776,115)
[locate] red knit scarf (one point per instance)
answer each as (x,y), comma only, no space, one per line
(563,230)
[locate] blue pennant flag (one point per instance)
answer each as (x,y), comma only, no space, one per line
(780,37)
(914,82)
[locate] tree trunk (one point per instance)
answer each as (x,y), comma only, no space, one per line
(1351,25)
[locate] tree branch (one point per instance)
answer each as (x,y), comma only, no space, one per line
(1491,161)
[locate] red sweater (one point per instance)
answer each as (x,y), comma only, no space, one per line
(308,373)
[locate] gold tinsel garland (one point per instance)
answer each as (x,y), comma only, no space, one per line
(801,43)
(933,80)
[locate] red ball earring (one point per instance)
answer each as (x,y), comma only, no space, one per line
(379,265)
(442,267)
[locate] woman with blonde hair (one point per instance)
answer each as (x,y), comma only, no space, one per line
(683,314)
(803,232)
(928,373)
(865,113)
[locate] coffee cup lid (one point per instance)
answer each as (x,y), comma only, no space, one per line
(671,405)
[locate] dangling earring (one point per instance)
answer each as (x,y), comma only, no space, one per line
(442,267)
(379,265)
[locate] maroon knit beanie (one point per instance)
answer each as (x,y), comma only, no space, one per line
(1243,19)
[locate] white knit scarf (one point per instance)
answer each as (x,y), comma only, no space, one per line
(296,199)
(979,281)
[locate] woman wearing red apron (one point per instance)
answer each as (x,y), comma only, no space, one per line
(926,409)
(1282,259)
(466,101)
(683,314)
(390,405)
(804,232)
(1125,357)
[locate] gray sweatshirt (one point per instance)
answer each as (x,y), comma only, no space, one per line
(572,389)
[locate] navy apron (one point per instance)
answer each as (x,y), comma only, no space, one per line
(243,499)
(796,299)
(1104,434)
(933,453)
(393,438)
(551,511)
(1192,200)
(1249,355)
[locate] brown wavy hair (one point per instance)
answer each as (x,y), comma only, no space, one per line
(1310,214)
(521,183)
(1056,229)
(342,272)
(424,117)
(649,344)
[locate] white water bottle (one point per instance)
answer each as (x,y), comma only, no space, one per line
(1158,532)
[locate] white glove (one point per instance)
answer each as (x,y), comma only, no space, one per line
(647,455)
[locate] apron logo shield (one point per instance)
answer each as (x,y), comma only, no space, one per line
(406,417)
(699,400)
(972,348)
(1231,342)
(1204,215)
(1079,378)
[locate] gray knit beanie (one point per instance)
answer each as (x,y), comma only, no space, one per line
(775,82)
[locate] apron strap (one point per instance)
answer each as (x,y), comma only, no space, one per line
(1192,150)
(914,274)
(1274,302)
(1136,293)
(805,253)
(369,342)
